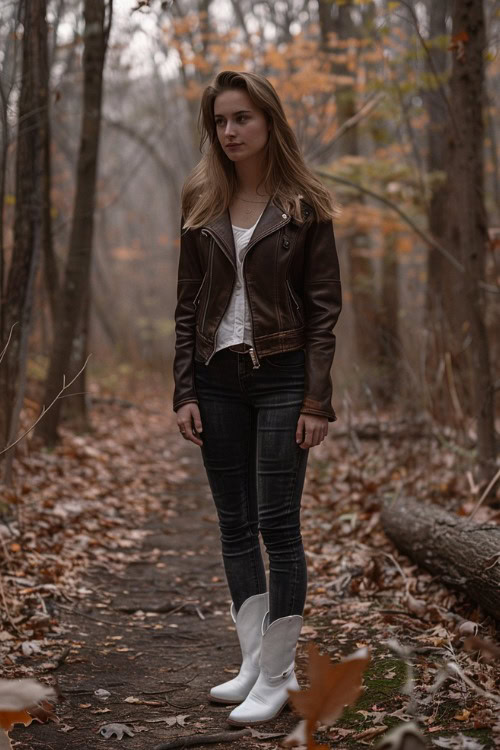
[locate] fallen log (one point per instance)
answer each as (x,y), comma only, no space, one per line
(462,554)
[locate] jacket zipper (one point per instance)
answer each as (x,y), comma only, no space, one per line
(195,301)
(210,262)
(215,337)
(252,352)
(294,300)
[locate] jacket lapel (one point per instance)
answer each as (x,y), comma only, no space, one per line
(271,219)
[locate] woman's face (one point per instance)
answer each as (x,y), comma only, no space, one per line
(238,121)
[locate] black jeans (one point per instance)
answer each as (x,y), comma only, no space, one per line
(256,471)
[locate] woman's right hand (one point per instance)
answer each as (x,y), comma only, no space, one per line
(188,417)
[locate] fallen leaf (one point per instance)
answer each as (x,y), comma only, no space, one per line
(468,628)
(103,695)
(377,716)
(297,738)
(9,718)
(43,712)
(108,730)
(489,650)
(332,687)
(417,606)
(458,742)
(16,696)
(403,737)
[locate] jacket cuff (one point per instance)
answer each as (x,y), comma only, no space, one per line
(178,404)
(318,409)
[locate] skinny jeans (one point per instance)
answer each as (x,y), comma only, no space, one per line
(256,471)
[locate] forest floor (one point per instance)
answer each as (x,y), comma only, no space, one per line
(112,580)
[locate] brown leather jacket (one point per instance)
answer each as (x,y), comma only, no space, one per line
(292,278)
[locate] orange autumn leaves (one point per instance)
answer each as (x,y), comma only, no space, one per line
(19,703)
(332,687)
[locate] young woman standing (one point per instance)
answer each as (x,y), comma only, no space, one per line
(258,296)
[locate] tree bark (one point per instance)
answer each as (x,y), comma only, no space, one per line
(339,20)
(461,554)
(77,275)
(467,225)
(29,217)
(438,267)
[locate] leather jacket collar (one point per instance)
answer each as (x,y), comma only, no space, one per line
(220,229)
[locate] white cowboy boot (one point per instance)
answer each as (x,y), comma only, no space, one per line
(269,695)
(249,629)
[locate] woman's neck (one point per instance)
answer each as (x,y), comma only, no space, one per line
(249,177)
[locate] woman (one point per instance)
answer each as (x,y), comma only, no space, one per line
(257,298)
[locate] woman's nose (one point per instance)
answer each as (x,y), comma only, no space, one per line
(229,128)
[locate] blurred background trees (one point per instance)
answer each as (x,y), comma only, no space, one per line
(393,103)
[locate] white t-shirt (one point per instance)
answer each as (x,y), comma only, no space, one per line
(236,325)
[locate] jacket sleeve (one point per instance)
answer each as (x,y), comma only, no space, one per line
(189,278)
(322,306)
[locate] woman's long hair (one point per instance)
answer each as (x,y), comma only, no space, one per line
(208,190)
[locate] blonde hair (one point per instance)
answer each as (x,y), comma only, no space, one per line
(208,189)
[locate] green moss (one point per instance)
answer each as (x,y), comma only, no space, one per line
(379,691)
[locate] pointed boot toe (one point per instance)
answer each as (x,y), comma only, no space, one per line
(269,695)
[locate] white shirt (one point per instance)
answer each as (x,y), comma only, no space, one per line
(236,325)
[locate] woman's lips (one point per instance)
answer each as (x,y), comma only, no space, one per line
(234,145)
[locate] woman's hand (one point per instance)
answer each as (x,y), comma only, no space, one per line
(311,430)
(188,416)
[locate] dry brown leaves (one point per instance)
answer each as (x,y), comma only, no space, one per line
(81,505)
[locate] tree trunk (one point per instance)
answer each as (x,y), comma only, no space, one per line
(467,226)
(8,75)
(338,19)
(29,217)
(463,555)
(389,344)
(76,281)
(438,267)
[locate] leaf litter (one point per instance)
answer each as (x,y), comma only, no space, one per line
(85,506)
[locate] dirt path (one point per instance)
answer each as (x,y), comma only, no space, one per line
(160,634)
(156,633)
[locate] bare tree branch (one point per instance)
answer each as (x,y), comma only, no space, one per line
(421,233)
(45,410)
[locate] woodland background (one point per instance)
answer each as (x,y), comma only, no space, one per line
(395,104)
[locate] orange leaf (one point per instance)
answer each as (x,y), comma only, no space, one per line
(9,718)
(43,712)
(332,687)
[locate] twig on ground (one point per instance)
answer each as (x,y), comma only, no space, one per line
(83,614)
(176,705)
(6,608)
(203,739)
(61,658)
(485,494)
(453,670)
(397,565)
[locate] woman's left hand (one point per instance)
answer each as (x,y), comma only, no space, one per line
(311,430)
